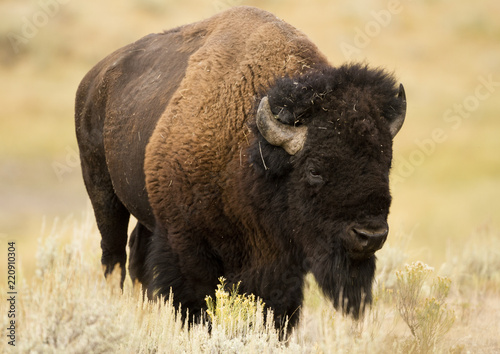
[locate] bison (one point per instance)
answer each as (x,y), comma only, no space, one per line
(242,153)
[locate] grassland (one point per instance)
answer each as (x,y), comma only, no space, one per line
(445,177)
(68,307)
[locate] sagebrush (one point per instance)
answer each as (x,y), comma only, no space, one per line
(68,307)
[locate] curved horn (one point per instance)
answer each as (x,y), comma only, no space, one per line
(290,138)
(397,123)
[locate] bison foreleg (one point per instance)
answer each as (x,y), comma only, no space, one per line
(188,271)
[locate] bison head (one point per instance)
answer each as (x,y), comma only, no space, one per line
(324,154)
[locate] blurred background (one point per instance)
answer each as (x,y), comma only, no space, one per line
(446,170)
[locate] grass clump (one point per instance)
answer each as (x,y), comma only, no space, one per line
(426,315)
(229,309)
(238,320)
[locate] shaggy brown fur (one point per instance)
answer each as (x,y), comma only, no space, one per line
(201,139)
(221,200)
(117,106)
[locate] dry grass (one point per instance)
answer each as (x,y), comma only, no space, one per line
(437,48)
(439,63)
(68,307)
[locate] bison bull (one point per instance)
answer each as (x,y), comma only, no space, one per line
(242,153)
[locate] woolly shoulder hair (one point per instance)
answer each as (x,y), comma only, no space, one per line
(321,89)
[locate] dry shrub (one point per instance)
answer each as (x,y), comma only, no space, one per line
(427,315)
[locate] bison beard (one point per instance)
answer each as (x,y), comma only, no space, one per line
(242,153)
(347,282)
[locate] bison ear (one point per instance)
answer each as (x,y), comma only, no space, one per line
(396,123)
(290,138)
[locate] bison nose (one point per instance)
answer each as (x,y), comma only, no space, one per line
(365,241)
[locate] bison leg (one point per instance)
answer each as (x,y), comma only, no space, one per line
(139,243)
(111,215)
(112,221)
(280,285)
(190,272)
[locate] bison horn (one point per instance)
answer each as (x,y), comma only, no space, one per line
(397,123)
(290,138)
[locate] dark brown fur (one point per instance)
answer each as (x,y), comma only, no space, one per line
(166,129)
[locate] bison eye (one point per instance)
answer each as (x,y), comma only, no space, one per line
(314,177)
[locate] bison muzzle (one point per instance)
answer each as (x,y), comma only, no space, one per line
(242,153)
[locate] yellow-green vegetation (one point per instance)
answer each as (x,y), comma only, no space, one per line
(68,307)
(237,315)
